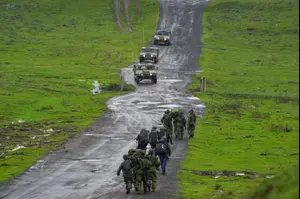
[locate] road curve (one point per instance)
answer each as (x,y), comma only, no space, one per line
(88,169)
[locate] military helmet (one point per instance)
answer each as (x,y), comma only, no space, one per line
(150,152)
(143,152)
(167,111)
(131,151)
(125,156)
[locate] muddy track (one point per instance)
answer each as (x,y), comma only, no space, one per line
(88,169)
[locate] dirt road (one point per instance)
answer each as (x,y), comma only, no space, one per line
(88,169)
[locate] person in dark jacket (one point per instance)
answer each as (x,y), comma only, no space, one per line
(163,150)
(142,139)
(153,137)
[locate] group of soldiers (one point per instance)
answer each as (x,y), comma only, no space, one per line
(176,118)
(140,169)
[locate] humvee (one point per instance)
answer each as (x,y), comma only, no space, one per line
(145,71)
(162,36)
(149,53)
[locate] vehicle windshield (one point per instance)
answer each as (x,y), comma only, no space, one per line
(165,33)
(146,67)
(148,50)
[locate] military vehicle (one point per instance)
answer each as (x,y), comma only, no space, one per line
(149,53)
(144,71)
(162,36)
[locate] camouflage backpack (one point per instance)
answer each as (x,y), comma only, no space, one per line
(127,165)
(145,164)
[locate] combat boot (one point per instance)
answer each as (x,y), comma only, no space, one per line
(128,191)
(164,171)
(153,187)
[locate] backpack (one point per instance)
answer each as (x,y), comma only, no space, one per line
(153,137)
(161,149)
(162,133)
(145,164)
(127,165)
(143,136)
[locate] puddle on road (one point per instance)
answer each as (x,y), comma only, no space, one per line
(170,80)
(97,88)
(200,105)
(108,136)
(193,98)
(92,160)
(170,106)
(146,103)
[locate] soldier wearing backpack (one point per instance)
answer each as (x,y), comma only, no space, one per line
(141,170)
(126,168)
(163,150)
(153,137)
(142,139)
(152,177)
(163,132)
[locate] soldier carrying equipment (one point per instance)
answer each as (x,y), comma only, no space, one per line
(126,168)
(166,120)
(143,139)
(153,137)
(191,124)
(152,177)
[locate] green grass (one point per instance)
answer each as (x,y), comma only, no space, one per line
(50,54)
(251,61)
(285,185)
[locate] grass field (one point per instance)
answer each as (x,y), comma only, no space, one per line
(51,52)
(251,61)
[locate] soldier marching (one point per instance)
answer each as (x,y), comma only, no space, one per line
(140,168)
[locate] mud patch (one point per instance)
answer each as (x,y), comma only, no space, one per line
(217,174)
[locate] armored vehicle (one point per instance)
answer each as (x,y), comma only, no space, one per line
(149,53)
(162,36)
(145,71)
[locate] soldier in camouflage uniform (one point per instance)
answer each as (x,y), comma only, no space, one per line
(166,120)
(180,124)
(141,170)
(133,159)
(191,124)
(152,177)
(126,168)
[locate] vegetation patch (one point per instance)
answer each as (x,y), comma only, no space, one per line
(250,58)
(51,53)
